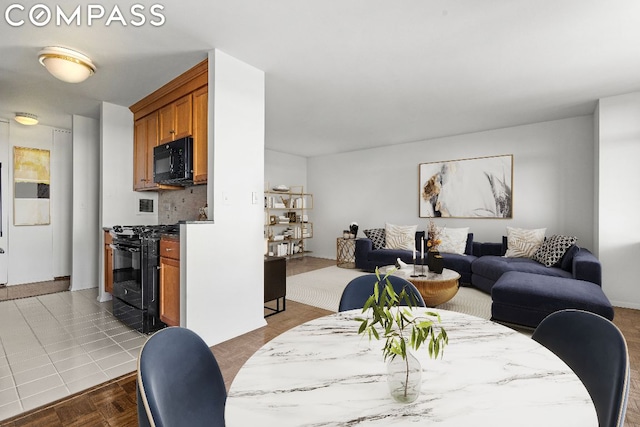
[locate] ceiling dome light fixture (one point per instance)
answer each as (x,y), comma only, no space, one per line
(66,64)
(27,119)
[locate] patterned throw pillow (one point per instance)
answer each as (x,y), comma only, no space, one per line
(400,236)
(377,237)
(454,240)
(553,249)
(523,243)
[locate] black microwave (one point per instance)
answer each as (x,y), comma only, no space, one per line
(173,162)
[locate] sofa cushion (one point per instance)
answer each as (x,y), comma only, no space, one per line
(376,235)
(492,267)
(454,240)
(400,236)
(553,249)
(522,242)
(526,299)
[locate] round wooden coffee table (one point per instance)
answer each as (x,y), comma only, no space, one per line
(435,288)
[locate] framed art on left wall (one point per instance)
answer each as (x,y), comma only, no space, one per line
(31,175)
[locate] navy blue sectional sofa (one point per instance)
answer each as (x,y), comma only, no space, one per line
(523,291)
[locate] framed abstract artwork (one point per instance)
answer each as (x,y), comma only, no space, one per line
(468,188)
(31,176)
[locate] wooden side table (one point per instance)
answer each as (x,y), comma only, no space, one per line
(346,252)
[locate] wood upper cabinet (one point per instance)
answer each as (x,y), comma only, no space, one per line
(176,119)
(179,109)
(170,281)
(145,139)
(200,141)
(108,263)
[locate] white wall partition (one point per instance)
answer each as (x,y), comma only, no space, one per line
(62,194)
(86,178)
(223,272)
(617,203)
(553,182)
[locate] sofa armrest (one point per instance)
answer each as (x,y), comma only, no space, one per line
(585,266)
(363,247)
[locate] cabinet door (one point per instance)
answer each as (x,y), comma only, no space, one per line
(200,141)
(170,291)
(166,125)
(176,119)
(183,120)
(145,138)
(108,263)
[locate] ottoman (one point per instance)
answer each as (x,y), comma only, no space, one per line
(527,298)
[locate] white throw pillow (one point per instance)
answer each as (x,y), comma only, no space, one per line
(454,240)
(522,242)
(400,236)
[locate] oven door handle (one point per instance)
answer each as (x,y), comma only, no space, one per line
(124,248)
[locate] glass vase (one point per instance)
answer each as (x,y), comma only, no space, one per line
(404,377)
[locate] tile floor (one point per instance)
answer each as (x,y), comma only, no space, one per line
(55,345)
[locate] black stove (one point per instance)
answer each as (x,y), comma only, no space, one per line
(136,259)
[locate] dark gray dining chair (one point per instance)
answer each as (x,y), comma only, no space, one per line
(595,349)
(358,290)
(179,381)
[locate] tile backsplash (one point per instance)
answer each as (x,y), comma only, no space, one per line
(181,205)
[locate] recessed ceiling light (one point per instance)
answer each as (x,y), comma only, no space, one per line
(66,64)
(27,119)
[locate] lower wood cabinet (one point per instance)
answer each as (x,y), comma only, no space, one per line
(170,281)
(108,263)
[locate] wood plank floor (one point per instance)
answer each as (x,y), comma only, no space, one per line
(114,403)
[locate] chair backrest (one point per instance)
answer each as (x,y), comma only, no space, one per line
(597,352)
(360,289)
(179,381)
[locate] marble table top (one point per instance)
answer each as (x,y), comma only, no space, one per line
(322,373)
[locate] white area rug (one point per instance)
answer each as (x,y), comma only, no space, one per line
(323,288)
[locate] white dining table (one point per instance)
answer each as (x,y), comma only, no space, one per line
(322,373)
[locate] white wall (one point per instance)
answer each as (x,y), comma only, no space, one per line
(118,203)
(618,203)
(86,178)
(553,183)
(284,169)
(34,255)
(223,273)
(62,193)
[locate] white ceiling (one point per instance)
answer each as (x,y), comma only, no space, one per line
(345,75)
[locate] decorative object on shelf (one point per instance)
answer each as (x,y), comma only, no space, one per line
(66,64)
(467,188)
(345,234)
(282,188)
(292,216)
(401,329)
(353,228)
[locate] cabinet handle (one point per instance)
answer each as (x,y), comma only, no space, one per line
(168,249)
(172,131)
